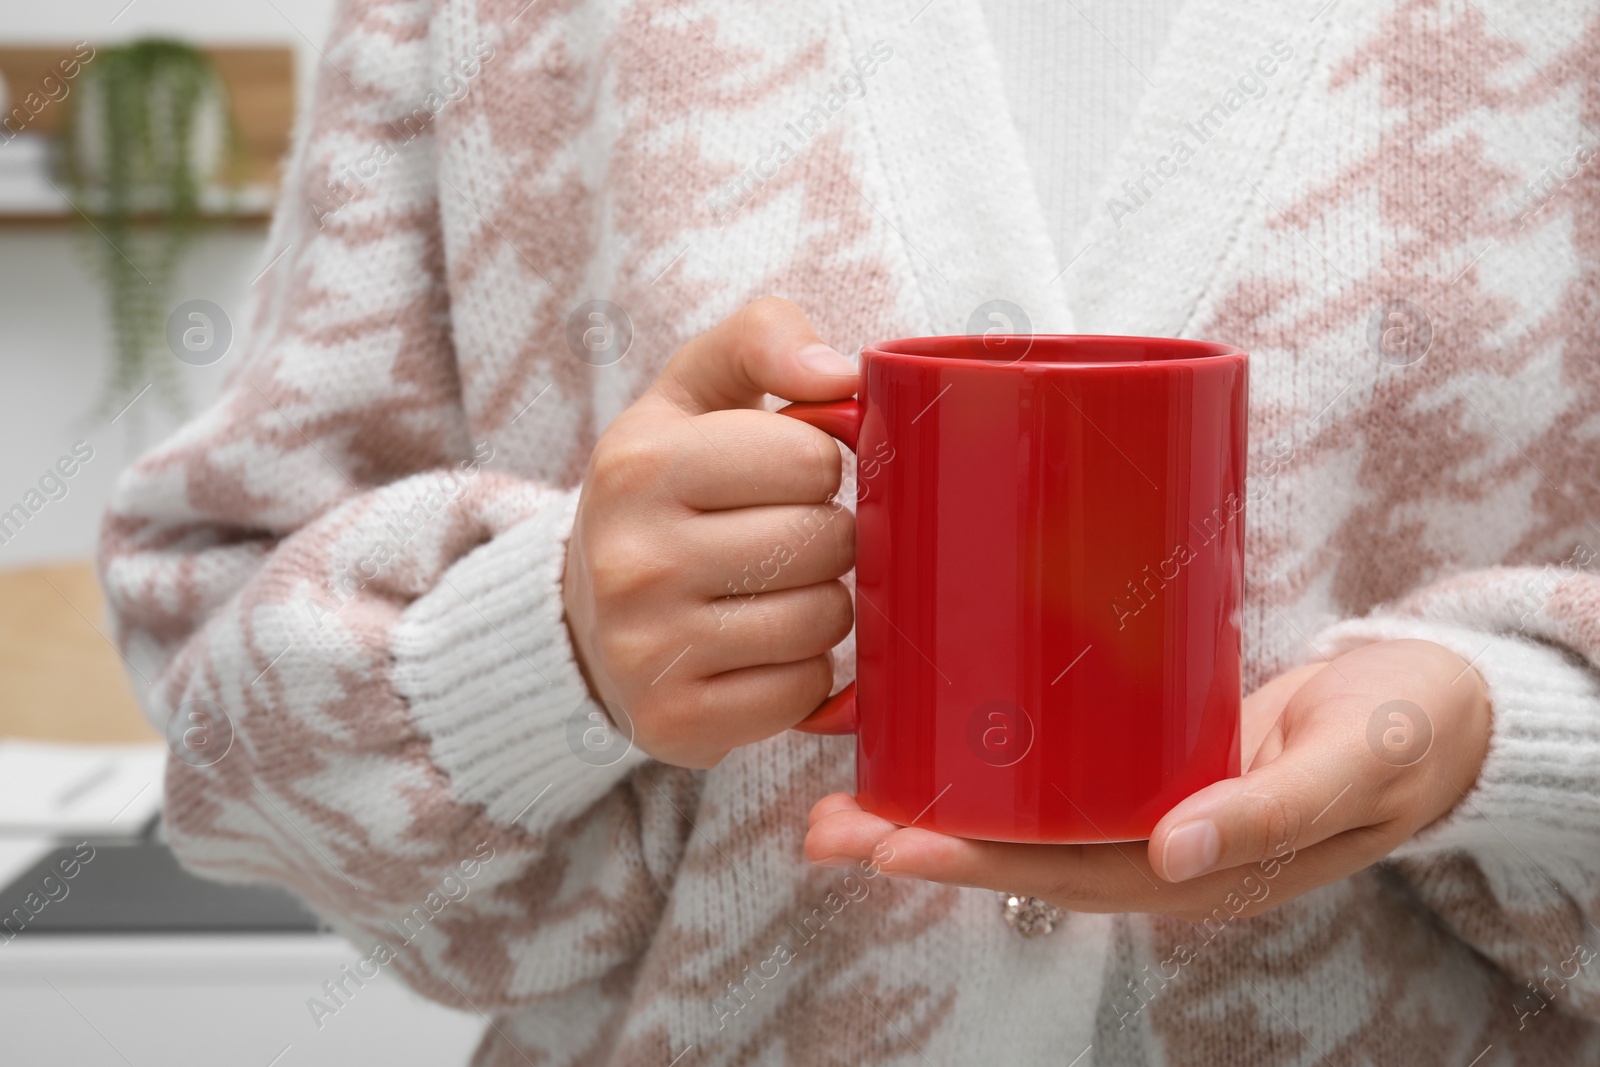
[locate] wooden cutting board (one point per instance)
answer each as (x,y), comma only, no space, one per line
(61,679)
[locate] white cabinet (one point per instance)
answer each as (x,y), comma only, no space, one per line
(211,1001)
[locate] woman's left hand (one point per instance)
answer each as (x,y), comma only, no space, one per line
(1345,759)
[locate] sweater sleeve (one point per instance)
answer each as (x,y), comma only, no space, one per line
(344,608)
(1514,868)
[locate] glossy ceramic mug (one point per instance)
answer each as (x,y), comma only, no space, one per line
(1049,568)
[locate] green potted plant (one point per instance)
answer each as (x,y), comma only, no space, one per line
(149,134)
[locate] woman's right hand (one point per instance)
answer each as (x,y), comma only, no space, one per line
(702,583)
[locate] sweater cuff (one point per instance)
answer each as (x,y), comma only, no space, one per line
(486,663)
(1539,787)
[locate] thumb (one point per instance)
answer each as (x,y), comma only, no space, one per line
(767,347)
(1257,815)
(1264,814)
(1316,788)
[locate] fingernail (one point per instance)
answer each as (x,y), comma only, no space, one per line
(833,861)
(824,360)
(1191,850)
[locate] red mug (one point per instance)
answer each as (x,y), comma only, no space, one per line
(1049,569)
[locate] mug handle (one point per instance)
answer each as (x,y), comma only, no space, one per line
(842,419)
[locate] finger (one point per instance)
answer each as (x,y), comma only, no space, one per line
(1260,716)
(1311,791)
(1216,899)
(829,804)
(737,459)
(1090,877)
(744,553)
(766,347)
(845,834)
(750,704)
(850,834)
(1087,878)
(779,627)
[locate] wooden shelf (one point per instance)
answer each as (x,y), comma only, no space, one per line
(244,220)
(260,86)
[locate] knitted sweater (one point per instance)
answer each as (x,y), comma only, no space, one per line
(354,557)
(1073,78)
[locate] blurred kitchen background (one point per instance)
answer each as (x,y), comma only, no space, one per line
(140,140)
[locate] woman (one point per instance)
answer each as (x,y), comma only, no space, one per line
(458,496)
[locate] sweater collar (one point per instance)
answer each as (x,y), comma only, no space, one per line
(946,170)
(1201,156)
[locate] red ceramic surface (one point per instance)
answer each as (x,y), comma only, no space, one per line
(1049,567)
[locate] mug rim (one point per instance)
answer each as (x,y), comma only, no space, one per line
(1197,351)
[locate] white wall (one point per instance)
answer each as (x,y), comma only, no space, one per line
(54,332)
(54,345)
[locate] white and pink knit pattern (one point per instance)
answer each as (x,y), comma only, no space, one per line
(357,551)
